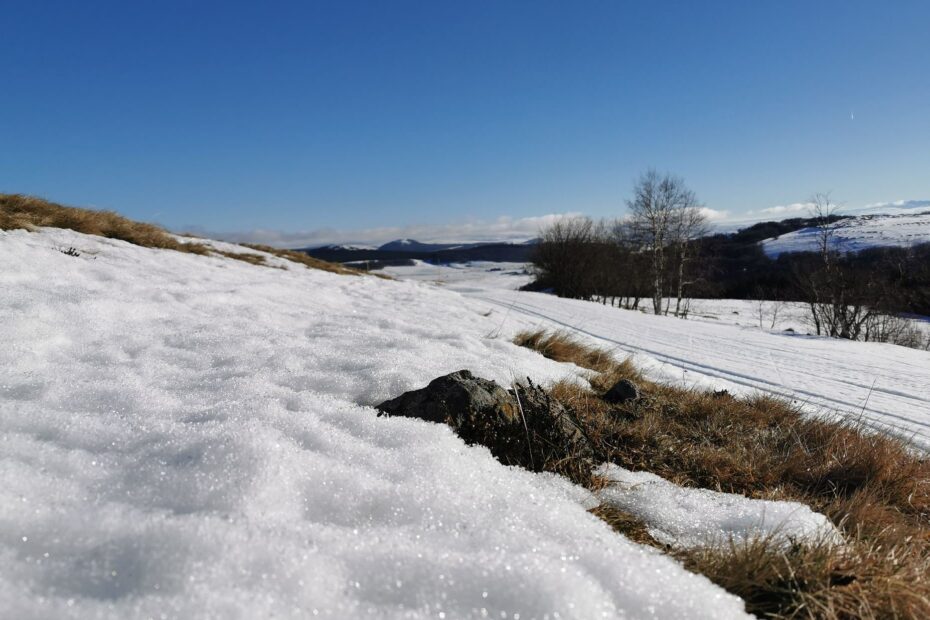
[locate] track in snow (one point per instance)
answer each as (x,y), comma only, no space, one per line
(884,385)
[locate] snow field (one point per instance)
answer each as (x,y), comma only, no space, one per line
(883,385)
(185,436)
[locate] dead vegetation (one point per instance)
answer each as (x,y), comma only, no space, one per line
(18,211)
(246,257)
(305,260)
(871,485)
(28,212)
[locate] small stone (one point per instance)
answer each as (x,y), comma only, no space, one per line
(622,391)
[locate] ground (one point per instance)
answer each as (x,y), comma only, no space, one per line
(189,435)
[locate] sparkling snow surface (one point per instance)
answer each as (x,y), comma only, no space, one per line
(185,436)
(695,517)
(887,386)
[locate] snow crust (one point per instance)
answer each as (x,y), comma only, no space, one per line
(685,517)
(186,436)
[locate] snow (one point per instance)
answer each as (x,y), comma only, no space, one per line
(688,518)
(473,276)
(858,233)
(883,385)
(185,436)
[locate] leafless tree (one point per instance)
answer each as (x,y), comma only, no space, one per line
(665,217)
(689,223)
(842,302)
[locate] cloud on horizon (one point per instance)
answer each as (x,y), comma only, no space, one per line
(792,209)
(503,229)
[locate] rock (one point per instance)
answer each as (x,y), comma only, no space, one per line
(538,407)
(522,426)
(622,391)
(455,399)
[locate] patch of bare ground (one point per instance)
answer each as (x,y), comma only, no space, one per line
(873,486)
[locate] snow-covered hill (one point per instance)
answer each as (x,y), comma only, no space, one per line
(185,436)
(191,436)
(859,232)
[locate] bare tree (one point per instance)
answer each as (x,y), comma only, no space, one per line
(842,301)
(689,223)
(664,216)
(563,258)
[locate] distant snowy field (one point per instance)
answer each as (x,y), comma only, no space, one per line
(859,233)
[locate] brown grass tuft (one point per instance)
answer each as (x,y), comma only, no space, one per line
(252,259)
(563,347)
(873,486)
(862,579)
(309,261)
(28,212)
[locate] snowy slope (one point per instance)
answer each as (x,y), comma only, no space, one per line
(886,385)
(186,436)
(858,233)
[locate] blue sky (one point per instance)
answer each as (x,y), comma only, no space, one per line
(363,120)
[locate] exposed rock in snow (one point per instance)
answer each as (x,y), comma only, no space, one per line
(514,424)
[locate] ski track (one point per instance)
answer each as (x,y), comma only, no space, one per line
(879,384)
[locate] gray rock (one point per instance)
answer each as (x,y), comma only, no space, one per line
(621,392)
(455,399)
(522,426)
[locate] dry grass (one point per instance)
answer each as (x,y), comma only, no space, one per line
(863,579)
(28,212)
(872,486)
(309,261)
(246,257)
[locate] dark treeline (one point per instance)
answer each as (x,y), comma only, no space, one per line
(859,296)
(584,260)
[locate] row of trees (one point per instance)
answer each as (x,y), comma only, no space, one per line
(660,253)
(647,255)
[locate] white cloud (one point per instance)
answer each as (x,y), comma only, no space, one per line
(713,215)
(503,228)
(794,208)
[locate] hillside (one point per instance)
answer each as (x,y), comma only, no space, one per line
(857,233)
(192,434)
(883,383)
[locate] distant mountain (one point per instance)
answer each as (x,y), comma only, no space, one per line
(434,252)
(336,247)
(411,245)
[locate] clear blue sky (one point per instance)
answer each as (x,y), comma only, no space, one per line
(233,116)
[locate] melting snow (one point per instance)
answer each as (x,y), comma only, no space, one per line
(685,517)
